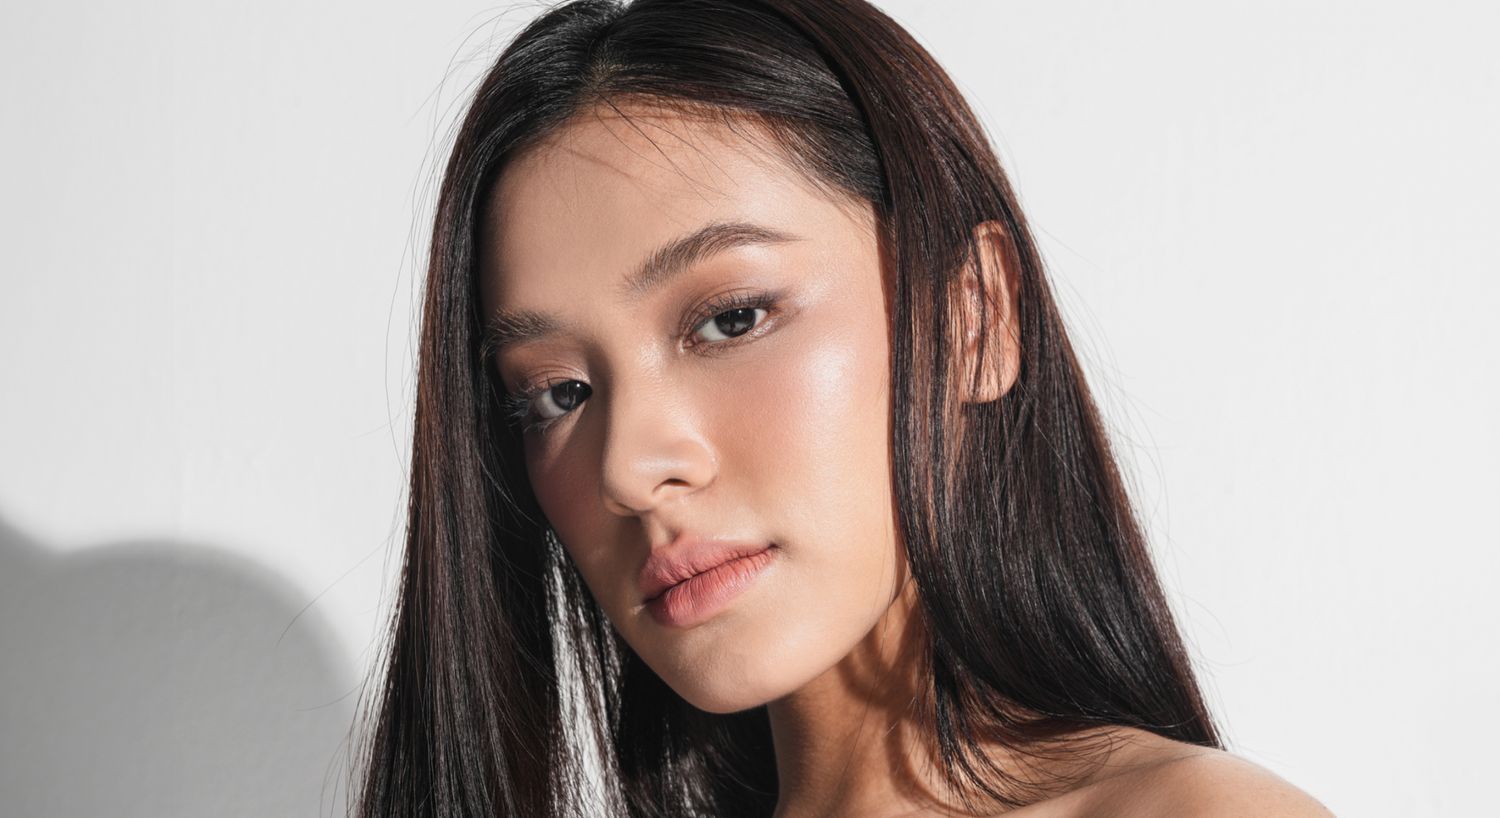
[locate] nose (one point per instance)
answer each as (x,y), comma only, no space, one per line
(654,450)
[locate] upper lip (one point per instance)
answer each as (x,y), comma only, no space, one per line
(688,556)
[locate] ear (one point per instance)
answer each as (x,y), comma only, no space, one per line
(986,297)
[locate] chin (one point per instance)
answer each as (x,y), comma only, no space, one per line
(725,705)
(718,680)
(728,696)
(724,682)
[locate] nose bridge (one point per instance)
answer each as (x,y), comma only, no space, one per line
(653,445)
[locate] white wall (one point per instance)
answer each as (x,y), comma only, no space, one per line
(1271,225)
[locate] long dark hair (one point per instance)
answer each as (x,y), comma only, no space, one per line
(506,692)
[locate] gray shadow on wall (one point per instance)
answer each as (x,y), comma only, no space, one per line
(164,679)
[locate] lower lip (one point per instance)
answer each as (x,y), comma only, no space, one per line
(695,601)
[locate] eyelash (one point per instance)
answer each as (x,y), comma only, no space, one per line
(518,406)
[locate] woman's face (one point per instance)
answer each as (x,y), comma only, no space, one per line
(735,402)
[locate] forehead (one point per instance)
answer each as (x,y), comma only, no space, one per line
(588,202)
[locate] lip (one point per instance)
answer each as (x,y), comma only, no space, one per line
(690,581)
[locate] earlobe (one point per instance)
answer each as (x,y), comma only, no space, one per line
(987,298)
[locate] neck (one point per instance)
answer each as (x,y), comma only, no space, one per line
(859,739)
(854,741)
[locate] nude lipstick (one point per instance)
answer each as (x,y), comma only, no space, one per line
(690,582)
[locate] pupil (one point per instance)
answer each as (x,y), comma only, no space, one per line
(569,388)
(736,326)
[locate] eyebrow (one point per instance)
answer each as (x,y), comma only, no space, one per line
(507,328)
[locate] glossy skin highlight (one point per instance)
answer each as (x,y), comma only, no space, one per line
(778,435)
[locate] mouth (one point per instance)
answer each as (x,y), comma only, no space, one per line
(691,585)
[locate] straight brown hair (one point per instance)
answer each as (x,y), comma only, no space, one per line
(1045,613)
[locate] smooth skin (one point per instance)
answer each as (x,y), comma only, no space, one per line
(771,426)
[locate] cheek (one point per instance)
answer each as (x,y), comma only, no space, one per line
(567,490)
(555,481)
(804,451)
(811,421)
(808,449)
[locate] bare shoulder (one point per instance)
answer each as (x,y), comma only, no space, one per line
(1203,782)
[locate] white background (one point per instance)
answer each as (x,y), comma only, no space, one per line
(1271,225)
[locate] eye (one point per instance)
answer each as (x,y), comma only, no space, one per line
(563,398)
(732,323)
(547,403)
(719,323)
(729,316)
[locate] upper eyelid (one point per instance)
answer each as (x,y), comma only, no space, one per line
(724,301)
(770,300)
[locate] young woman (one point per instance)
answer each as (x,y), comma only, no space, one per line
(753,471)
